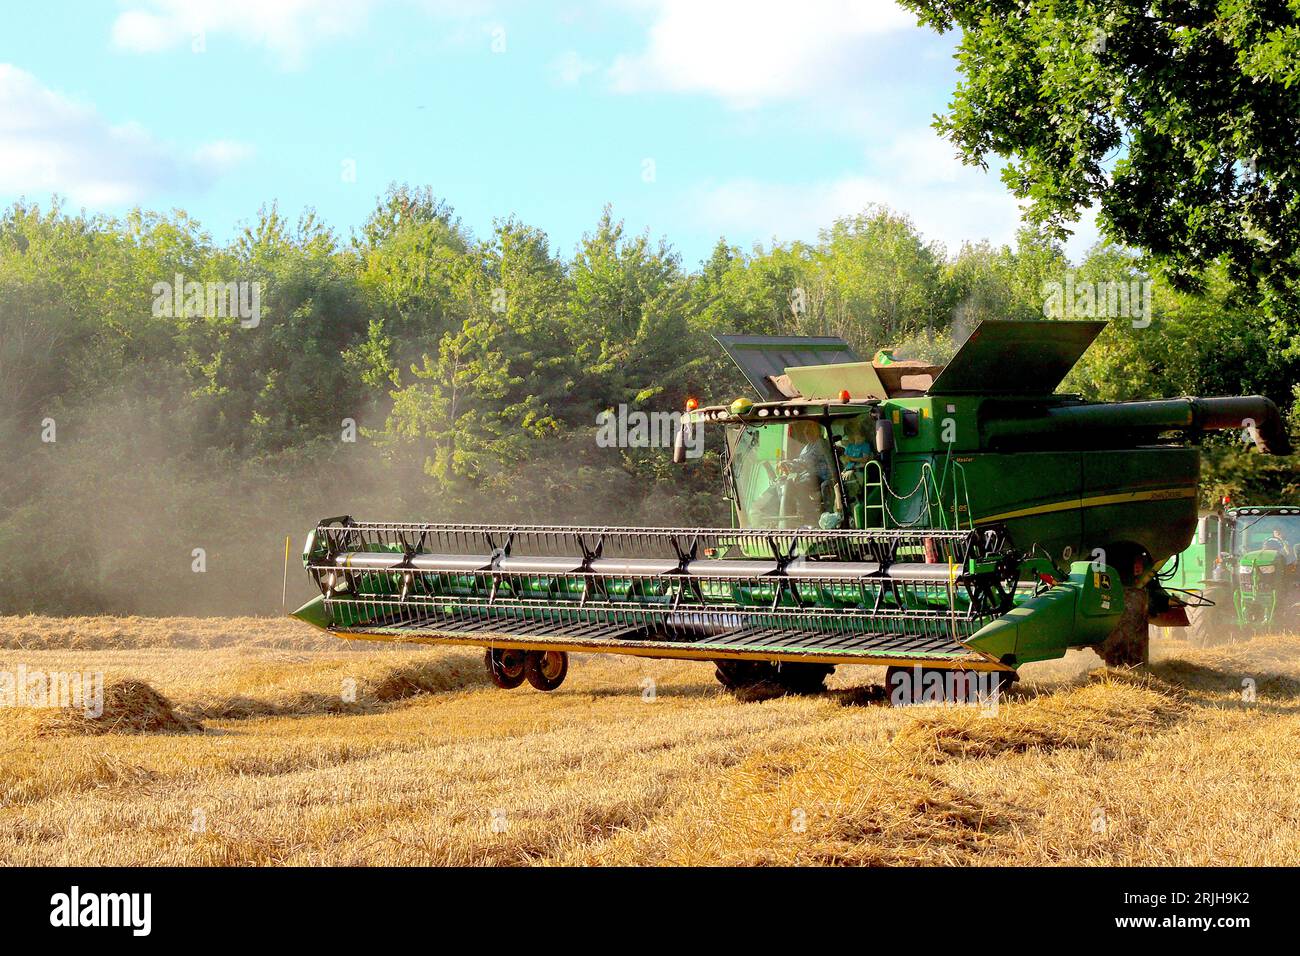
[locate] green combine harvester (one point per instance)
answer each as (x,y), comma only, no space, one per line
(962,519)
(1240,572)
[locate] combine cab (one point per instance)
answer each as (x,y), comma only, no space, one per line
(963,518)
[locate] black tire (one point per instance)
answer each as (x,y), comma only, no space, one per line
(546,670)
(1210,625)
(798,678)
(743,675)
(1129,644)
(505,666)
(790,677)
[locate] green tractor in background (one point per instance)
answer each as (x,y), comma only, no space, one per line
(1240,573)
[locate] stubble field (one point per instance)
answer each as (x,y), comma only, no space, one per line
(274,744)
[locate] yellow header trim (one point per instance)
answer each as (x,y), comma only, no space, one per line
(1097,501)
(972,661)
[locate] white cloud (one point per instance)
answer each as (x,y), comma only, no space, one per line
(142,32)
(569,68)
(50,143)
(916,173)
(223,154)
(287,28)
(748,51)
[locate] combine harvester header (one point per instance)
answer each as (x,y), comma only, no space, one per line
(963,518)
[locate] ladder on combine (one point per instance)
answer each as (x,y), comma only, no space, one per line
(934,513)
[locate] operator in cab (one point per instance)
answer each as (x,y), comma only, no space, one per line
(813,459)
(1278,542)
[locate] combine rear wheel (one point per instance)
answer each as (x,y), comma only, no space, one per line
(505,666)
(546,670)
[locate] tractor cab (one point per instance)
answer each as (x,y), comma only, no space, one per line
(1268,531)
(1264,564)
(1243,564)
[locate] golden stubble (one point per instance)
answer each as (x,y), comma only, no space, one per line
(302,749)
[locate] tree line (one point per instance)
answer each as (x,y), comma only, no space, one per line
(158,446)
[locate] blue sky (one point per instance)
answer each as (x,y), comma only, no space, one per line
(755,120)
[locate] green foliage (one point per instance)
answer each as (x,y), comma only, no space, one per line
(1177,119)
(474,370)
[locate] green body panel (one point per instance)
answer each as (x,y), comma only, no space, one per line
(1071,502)
(1077,612)
(1260,575)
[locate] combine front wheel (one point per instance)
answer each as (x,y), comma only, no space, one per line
(793,677)
(546,670)
(1129,644)
(505,666)
(797,678)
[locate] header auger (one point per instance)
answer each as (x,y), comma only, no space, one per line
(962,518)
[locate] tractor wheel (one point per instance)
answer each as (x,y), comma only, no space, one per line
(1129,644)
(799,678)
(1212,624)
(546,670)
(505,666)
(742,675)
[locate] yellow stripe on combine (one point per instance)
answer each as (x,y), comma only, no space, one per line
(1097,501)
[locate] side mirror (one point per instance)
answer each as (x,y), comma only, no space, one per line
(884,436)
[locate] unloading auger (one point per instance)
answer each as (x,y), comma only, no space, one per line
(964,518)
(776,605)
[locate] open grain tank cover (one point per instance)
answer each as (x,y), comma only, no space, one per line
(764,358)
(1006,357)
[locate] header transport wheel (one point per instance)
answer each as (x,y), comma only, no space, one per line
(739,675)
(505,666)
(546,670)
